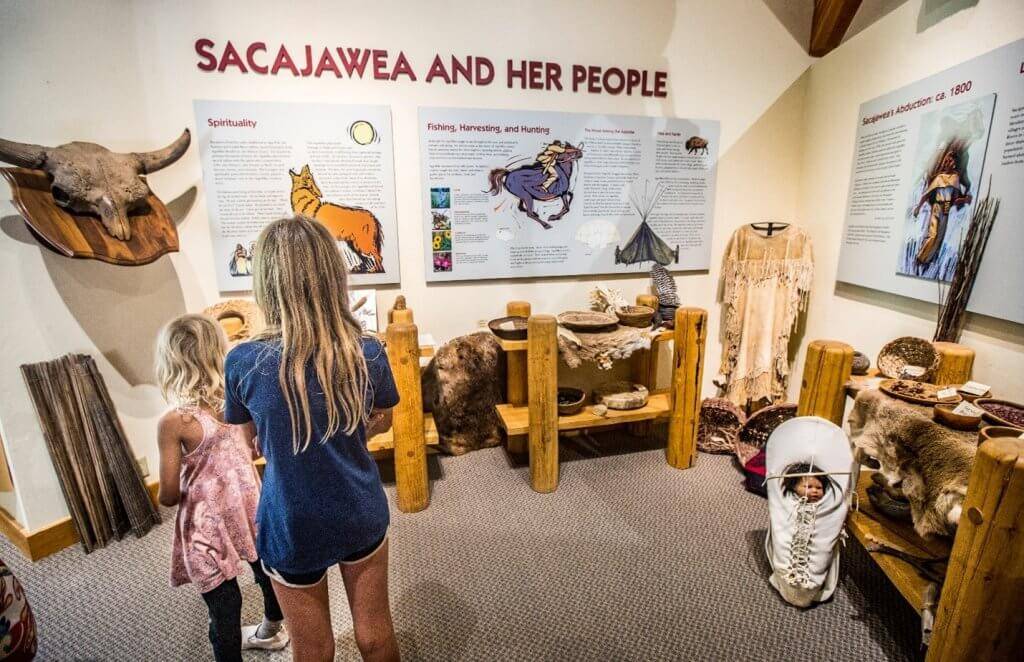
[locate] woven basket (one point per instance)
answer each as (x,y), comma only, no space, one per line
(638,316)
(720,422)
(898,354)
(755,432)
(241,319)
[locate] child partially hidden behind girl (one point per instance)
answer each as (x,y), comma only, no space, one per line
(206,469)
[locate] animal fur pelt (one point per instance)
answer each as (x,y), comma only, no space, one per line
(928,463)
(461,386)
(601,348)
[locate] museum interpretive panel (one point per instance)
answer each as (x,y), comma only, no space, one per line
(513,194)
(926,159)
(334,163)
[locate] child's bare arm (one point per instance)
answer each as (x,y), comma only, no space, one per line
(380,421)
(249,431)
(169,441)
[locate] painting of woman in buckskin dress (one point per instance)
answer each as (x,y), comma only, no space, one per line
(952,143)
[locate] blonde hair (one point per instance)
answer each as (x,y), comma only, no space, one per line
(190,361)
(301,283)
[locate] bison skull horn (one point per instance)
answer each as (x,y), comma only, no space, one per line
(89,178)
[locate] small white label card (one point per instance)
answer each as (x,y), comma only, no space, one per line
(967,409)
(946,393)
(975,388)
(913,371)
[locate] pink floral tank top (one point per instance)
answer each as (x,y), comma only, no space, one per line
(215,530)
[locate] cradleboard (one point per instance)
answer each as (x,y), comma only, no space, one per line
(803,540)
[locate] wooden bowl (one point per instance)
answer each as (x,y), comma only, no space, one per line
(637,316)
(998,418)
(621,395)
(997,432)
(570,400)
(943,413)
(588,321)
(508,328)
(971,397)
(899,354)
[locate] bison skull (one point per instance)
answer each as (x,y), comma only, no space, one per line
(89,178)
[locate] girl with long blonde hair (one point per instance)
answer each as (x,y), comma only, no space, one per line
(315,387)
(206,469)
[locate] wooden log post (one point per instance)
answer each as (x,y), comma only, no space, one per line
(644,367)
(827,368)
(515,375)
(687,374)
(399,313)
(410,444)
(979,615)
(955,363)
(542,375)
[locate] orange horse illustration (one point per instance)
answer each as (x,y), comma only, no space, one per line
(357,227)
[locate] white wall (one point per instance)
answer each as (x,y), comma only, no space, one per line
(884,57)
(123,74)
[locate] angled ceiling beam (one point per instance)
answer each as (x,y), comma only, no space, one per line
(831,20)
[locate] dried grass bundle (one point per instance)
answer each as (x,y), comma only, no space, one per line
(952,310)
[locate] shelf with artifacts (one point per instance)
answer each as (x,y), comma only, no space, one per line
(530,416)
(976,614)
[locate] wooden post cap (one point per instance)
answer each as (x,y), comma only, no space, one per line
(518,309)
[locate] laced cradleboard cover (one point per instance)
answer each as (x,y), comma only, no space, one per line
(803,540)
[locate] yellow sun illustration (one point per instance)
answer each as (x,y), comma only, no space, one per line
(362,132)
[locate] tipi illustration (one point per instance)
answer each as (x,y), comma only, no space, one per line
(645,245)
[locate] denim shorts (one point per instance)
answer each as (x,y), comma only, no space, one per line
(309,579)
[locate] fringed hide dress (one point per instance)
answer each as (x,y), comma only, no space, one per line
(767,280)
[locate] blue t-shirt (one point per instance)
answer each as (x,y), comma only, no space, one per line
(327,502)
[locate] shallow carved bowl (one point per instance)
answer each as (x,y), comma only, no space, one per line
(587,320)
(570,400)
(998,432)
(943,413)
(508,328)
(621,395)
(1002,412)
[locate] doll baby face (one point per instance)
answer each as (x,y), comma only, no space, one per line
(810,488)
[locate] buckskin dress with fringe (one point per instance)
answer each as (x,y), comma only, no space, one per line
(767,280)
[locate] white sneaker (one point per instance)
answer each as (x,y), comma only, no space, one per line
(803,541)
(275,643)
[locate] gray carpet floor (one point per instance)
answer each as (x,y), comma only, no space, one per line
(629,560)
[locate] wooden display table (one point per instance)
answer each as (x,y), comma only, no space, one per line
(979,616)
(531,419)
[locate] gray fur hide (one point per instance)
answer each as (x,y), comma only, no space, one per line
(461,386)
(928,463)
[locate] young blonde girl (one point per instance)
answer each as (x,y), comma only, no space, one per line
(206,470)
(315,388)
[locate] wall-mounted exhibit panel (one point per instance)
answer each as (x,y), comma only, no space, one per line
(335,163)
(514,194)
(925,159)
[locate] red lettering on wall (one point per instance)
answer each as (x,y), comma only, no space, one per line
(283,61)
(437,70)
(203,51)
(250,56)
(403,68)
(327,63)
(231,58)
(380,64)
(356,61)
